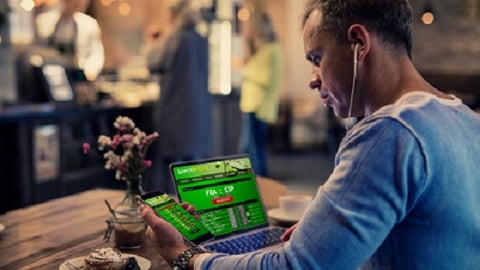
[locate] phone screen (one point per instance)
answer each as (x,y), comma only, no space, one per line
(167,208)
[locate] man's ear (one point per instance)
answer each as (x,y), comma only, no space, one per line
(359,36)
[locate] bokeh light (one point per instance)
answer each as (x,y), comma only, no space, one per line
(428,18)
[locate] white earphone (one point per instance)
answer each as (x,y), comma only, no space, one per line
(355,54)
(354,79)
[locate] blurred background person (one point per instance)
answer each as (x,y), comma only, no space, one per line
(75,35)
(180,59)
(260,89)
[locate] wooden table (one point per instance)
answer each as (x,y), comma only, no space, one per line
(45,235)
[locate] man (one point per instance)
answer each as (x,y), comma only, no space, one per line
(404,190)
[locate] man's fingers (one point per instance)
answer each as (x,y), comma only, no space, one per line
(288,233)
(190,208)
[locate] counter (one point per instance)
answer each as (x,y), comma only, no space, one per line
(42,150)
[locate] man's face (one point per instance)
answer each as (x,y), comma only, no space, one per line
(332,65)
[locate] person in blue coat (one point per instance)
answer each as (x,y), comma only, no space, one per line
(184,111)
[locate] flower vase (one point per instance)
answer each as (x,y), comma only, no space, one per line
(129,226)
(129,205)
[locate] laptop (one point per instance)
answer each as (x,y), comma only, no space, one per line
(226,196)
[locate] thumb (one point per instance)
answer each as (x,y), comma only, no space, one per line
(163,232)
(148,215)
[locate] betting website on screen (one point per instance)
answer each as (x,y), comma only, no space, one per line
(224,193)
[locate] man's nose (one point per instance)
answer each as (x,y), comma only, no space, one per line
(315,81)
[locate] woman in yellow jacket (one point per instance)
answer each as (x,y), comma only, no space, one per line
(259,96)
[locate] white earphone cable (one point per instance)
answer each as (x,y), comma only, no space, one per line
(354,79)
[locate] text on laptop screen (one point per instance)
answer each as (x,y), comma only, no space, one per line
(224,193)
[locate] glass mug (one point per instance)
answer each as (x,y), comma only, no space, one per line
(129,232)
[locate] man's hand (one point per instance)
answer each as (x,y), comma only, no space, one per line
(167,240)
(288,232)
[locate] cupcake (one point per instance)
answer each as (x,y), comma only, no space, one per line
(106,259)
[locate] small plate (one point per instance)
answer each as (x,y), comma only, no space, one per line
(79,262)
(278,215)
(2,227)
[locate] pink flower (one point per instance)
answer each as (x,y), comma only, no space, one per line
(126,137)
(123,128)
(122,166)
(126,140)
(147,163)
(150,138)
(86,148)
(129,163)
(116,141)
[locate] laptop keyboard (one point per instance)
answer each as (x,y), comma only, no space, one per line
(249,242)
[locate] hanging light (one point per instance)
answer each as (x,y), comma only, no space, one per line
(106,3)
(428,16)
(124,8)
(243,14)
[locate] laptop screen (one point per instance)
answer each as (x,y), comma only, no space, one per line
(224,192)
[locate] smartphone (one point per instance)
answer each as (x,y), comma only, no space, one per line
(167,208)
